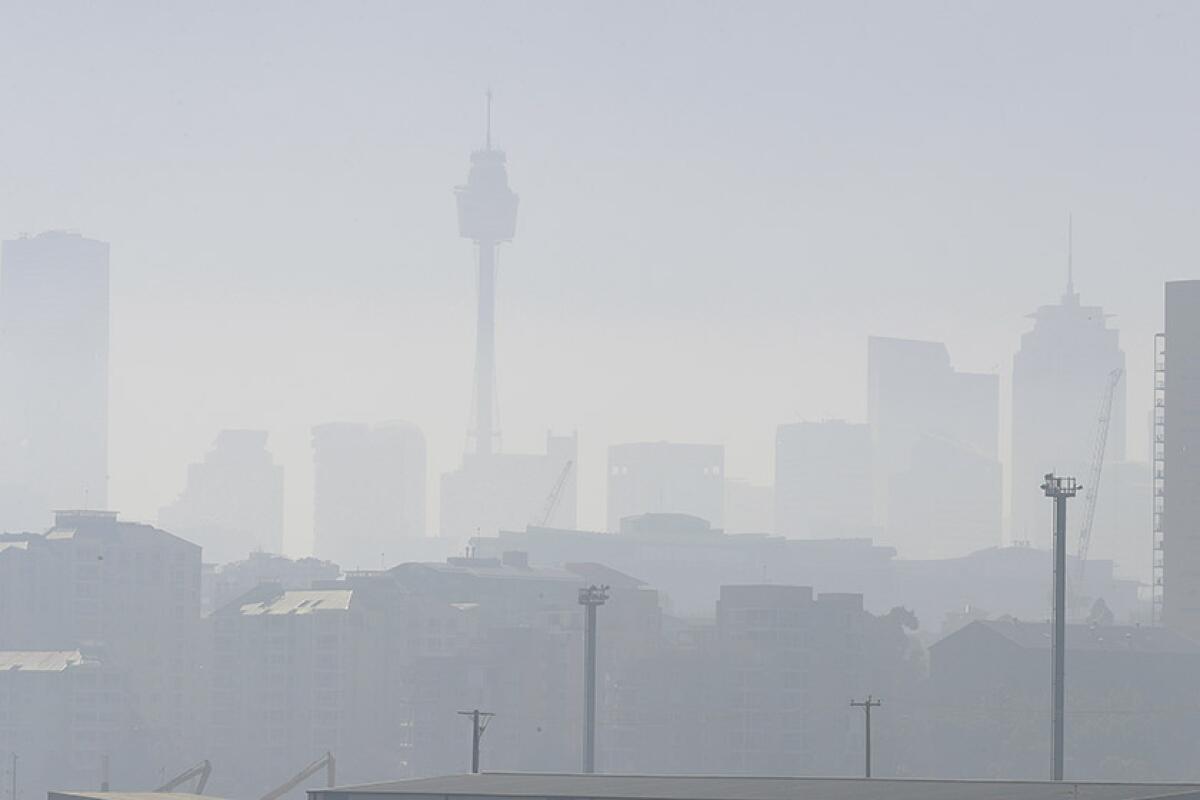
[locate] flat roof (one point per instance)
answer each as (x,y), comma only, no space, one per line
(301,601)
(86,795)
(39,660)
(687,787)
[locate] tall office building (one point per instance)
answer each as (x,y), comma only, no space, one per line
(1179,460)
(822,470)
(666,478)
(232,505)
(929,421)
(1060,380)
(369,492)
(54,373)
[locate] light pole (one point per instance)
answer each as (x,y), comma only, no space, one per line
(590,598)
(1061,489)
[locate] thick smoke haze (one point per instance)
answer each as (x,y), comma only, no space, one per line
(719,203)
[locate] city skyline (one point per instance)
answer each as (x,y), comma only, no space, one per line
(640,299)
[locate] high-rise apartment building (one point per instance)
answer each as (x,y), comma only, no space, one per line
(666,478)
(930,422)
(1180,460)
(54,370)
(1060,380)
(369,483)
(232,504)
(822,475)
(125,594)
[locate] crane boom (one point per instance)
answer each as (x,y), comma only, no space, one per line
(1092,488)
(326,762)
(555,495)
(201,771)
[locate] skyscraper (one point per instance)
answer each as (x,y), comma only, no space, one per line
(54,373)
(369,492)
(232,505)
(666,478)
(930,423)
(1060,377)
(1180,460)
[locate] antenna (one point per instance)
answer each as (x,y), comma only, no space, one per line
(1070,252)
(489,118)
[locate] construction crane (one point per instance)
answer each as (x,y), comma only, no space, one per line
(1092,487)
(326,762)
(201,771)
(555,495)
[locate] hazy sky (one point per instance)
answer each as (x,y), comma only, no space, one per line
(719,203)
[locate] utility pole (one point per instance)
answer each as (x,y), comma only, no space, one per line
(479,723)
(590,598)
(14,776)
(867,705)
(1061,489)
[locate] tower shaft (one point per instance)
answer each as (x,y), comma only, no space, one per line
(485,350)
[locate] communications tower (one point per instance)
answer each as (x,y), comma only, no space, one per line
(487,215)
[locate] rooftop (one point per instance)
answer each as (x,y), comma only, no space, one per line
(679,787)
(1094,638)
(302,601)
(86,795)
(38,660)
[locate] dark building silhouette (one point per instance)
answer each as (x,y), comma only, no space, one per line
(988,709)
(1180,460)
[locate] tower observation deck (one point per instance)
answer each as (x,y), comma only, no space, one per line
(487,215)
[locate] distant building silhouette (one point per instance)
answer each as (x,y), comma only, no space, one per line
(369,491)
(1181,459)
(232,504)
(1124,714)
(822,479)
(498,491)
(1060,375)
(666,478)
(54,322)
(931,424)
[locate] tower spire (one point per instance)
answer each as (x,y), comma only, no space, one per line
(489,119)
(1069,297)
